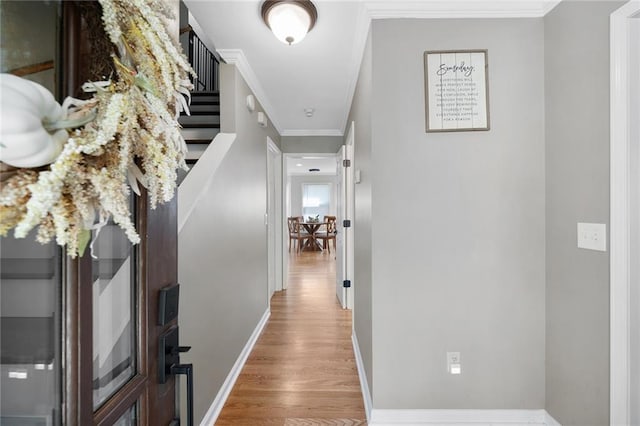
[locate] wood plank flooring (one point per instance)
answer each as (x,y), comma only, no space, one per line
(302,370)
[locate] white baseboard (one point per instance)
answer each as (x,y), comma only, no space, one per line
(364,385)
(550,421)
(377,417)
(462,417)
(216,407)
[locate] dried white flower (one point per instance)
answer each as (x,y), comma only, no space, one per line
(135,119)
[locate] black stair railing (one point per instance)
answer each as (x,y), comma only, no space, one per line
(204,63)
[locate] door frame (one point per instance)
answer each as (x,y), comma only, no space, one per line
(286,201)
(348,239)
(341,291)
(620,181)
(286,207)
(275,260)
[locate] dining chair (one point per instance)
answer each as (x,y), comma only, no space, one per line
(329,233)
(296,233)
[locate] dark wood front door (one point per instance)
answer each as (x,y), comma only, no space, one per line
(110,299)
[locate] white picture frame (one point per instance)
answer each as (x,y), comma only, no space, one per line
(456,90)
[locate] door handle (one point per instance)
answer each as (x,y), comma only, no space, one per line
(178,349)
(187,370)
(169,364)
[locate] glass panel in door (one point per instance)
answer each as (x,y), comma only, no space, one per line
(30,288)
(129,418)
(114,311)
(30,273)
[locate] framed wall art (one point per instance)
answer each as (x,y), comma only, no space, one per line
(456,90)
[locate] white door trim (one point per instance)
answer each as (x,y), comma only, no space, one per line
(272,148)
(341,214)
(620,214)
(286,201)
(349,239)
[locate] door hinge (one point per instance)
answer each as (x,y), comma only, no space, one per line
(346,283)
(346,163)
(346,223)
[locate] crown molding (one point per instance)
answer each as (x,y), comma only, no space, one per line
(459,9)
(236,57)
(548,6)
(440,9)
(312,132)
(363,22)
(401,9)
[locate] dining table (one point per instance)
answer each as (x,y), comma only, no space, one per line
(311,244)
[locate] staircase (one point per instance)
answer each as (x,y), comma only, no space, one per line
(202,125)
(199,128)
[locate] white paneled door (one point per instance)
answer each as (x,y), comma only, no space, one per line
(344,237)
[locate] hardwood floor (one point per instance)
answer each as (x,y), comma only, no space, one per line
(302,369)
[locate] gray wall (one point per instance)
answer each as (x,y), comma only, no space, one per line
(362,285)
(457,223)
(223,251)
(312,144)
(577,190)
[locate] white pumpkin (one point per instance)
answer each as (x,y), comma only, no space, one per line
(25,108)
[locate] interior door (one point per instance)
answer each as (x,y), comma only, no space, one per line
(349,214)
(341,215)
(344,238)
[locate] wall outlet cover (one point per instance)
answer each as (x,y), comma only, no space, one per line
(592,236)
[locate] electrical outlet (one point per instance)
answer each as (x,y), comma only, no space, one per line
(454,365)
(592,236)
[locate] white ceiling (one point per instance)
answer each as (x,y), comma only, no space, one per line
(321,71)
(298,165)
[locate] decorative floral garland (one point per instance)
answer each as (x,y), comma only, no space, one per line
(133,136)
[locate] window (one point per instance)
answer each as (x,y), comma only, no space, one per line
(316,199)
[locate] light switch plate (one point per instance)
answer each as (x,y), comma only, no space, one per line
(454,366)
(262,119)
(592,236)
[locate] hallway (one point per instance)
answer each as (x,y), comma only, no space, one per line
(302,369)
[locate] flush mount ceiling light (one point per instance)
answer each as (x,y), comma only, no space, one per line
(290,20)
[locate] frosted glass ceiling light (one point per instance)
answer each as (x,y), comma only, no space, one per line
(290,20)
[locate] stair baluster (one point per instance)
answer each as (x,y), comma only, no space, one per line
(203,124)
